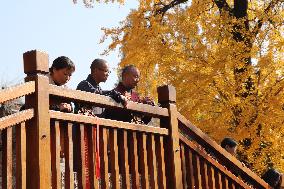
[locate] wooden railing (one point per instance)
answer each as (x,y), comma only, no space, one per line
(173,155)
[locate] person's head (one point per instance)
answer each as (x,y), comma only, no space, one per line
(130,76)
(99,70)
(272,177)
(61,70)
(230,145)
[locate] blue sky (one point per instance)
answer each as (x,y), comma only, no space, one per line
(57,27)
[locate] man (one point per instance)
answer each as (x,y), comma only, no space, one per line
(99,73)
(130,77)
(230,145)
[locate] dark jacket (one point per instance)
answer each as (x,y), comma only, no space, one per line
(124,114)
(89,85)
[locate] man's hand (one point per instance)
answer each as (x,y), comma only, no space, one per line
(148,100)
(65,107)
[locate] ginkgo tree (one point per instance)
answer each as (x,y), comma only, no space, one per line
(226,60)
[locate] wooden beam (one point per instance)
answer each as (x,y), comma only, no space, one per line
(105,101)
(205,140)
(18,91)
(78,118)
(16,118)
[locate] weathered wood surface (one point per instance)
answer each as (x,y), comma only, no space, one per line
(18,91)
(16,118)
(106,122)
(227,160)
(104,101)
(210,161)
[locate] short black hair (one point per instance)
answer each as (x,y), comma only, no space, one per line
(272,177)
(62,62)
(97,63)
(228,142)
(127,69)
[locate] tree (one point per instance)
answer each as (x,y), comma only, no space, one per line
(225,59)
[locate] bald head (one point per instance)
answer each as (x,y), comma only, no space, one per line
(130,76)
(99,70)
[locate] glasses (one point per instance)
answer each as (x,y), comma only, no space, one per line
(106,71)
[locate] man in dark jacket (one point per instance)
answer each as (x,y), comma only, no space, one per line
(130,77)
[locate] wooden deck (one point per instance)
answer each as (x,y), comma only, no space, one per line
(173,155)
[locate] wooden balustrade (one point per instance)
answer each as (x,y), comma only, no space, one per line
(51,145)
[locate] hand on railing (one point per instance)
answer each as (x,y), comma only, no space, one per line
(65,107)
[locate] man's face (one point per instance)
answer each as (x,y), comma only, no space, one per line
(101,73)
(231,150)
(131,78)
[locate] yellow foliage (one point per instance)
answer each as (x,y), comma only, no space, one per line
(227,85)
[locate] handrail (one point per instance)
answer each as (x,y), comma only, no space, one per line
(78,118)
(17,91)
(206,141)
(212,161)
(16,118)
(106,101)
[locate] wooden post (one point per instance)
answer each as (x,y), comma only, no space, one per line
(38,128)
(167,99)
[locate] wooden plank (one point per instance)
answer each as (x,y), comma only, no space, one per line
(133,158)
(143,164)
(219,183)
(38,134)
(21,156)
(78,118)
(212,183)
(7,159)
(161,162)
(16,118)
(68,142)
(211,160)
(126,159)
(18,91)
(184,171)
(172,148)
(204,139)
(204,173)
(114,158)
(83,174)
(95,151)
(55,155)
(199,181)
(152,162)
(104,160)
(191,170)
(104,101)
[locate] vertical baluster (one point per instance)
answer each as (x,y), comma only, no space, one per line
(83,173)
(104,158)
(204,173)
(68,142)
(211,175)
(191,167)
(152,161)
(21,156)
(183,163)
(94,155)
(161,162)
(114,158)
(90,156)
(126,160)
(7,158)
(133,157)
(199,181)
(55,155)
(143,165)
(226,182)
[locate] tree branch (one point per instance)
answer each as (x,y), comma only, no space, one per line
(269,7)
(223,5)
(165,8)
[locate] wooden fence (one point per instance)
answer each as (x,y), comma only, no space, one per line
(173,155)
